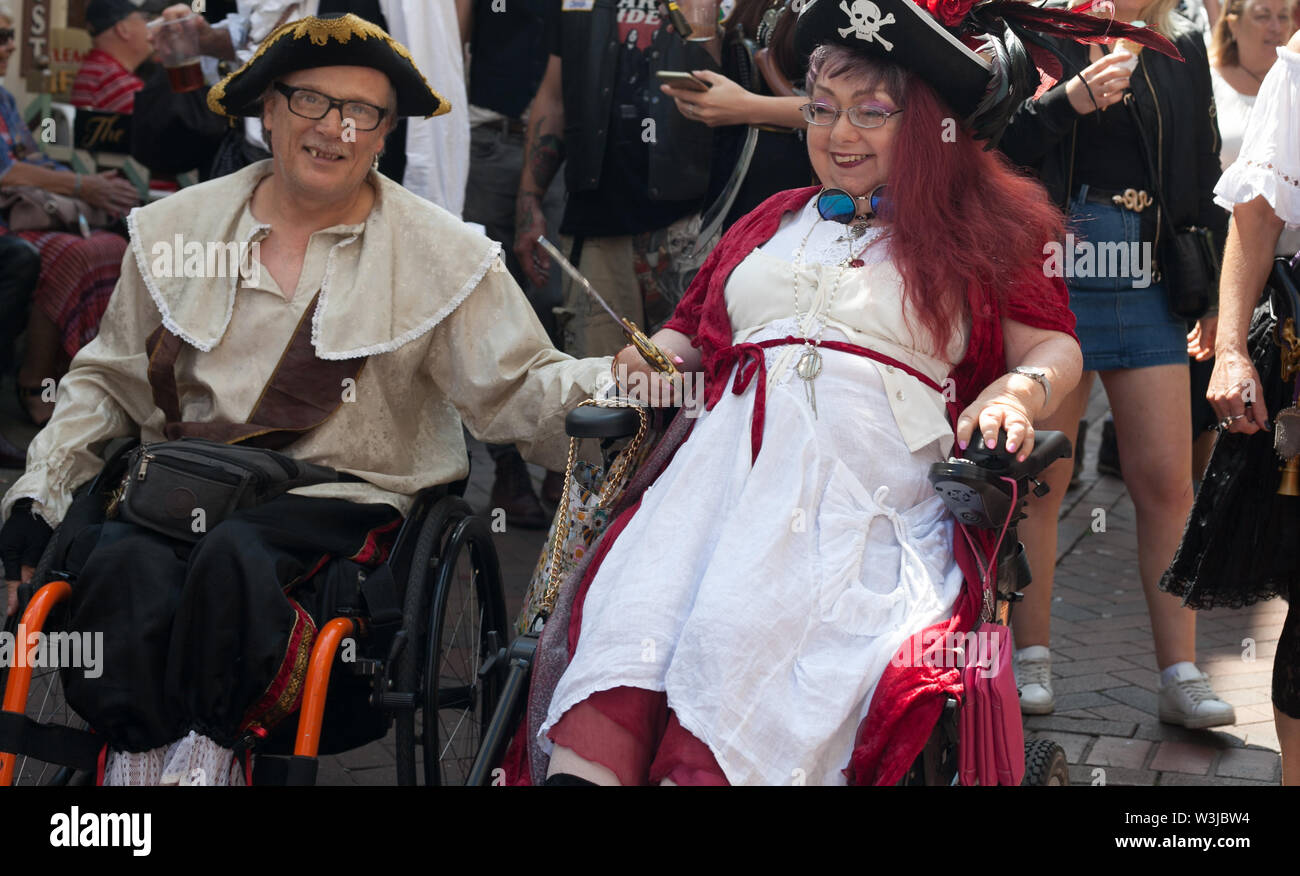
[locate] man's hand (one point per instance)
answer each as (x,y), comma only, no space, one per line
(22,541)
(109,192)
(543,154)
(212,42)
(530,224)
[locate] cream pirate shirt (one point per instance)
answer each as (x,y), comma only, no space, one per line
(448,333)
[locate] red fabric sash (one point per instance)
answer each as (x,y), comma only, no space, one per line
(753,363)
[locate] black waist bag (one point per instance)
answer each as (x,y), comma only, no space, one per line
(184,488)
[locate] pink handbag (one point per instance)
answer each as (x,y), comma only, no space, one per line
(991,739)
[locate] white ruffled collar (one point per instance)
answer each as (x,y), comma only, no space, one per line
(415,265)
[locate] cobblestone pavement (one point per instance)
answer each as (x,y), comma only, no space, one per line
(1104,670)
(1103,661)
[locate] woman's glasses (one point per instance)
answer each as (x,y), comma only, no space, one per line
(6,35)
(314,105)
(823,114)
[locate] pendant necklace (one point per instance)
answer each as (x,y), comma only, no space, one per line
(809,366)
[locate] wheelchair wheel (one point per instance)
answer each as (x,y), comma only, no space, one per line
(454,622)
(45,702)
(1045,764)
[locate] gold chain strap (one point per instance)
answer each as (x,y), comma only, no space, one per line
(607,493)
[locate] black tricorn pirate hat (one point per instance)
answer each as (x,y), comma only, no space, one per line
(983,57)
(902,32)
(338,41)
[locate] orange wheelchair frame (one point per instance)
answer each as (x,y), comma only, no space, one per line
(410,679)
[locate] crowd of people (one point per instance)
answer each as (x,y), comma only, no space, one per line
(847,214)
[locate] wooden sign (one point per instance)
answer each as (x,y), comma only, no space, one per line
(68,48)
(34,36)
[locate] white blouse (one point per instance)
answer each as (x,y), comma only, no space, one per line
(861,305)
(1269,161)
(1234,111)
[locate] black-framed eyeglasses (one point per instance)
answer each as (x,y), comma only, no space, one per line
(823,114)
(6,35)
(315,106)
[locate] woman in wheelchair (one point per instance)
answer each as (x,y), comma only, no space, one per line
(741,618)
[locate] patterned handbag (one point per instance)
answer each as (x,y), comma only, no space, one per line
(590,494)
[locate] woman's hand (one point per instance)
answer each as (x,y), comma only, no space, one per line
(1200,340)
(1233,384)
(725,103)
(642,383)
(1107,79)
(109,192)
(1001,407)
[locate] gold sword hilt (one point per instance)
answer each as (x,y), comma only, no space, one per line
(654,356)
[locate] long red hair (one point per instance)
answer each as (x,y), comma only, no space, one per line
(961,217)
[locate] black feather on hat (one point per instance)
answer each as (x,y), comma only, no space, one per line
(981,56)
(332,41)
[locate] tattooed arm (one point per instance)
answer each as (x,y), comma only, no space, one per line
(543,153)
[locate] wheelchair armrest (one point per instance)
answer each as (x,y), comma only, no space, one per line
(974,488)
(1049,446)
(593,421)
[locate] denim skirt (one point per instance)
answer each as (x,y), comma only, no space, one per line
(1123,318)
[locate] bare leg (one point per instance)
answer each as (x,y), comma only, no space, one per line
(1288,737)
(1032,618)
(566,760)
(1152,409)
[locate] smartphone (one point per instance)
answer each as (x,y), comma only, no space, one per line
(678,79)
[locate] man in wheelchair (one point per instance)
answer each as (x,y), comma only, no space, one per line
(306,305)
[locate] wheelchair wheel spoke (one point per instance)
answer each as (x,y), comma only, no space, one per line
(455,697)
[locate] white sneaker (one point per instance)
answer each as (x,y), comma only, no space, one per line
(1033,667)
(1190,701)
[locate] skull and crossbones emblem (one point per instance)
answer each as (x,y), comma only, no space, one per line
(865,22)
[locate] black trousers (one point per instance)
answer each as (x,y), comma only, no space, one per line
(212,637)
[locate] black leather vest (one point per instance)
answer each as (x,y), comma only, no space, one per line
(679,157)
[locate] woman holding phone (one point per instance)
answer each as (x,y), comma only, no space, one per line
(759,89)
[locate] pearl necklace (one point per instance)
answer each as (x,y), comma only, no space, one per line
(809,365)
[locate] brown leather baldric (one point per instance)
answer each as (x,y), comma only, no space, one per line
(303,392)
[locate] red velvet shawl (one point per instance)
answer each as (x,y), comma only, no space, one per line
(909,699)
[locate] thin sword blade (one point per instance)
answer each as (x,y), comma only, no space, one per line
(577,276)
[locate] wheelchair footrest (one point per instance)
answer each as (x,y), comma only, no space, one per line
(51,743)
(284,769)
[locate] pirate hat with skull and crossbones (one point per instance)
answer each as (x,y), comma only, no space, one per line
(976,54)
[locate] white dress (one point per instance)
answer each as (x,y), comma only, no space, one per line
(766,600)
